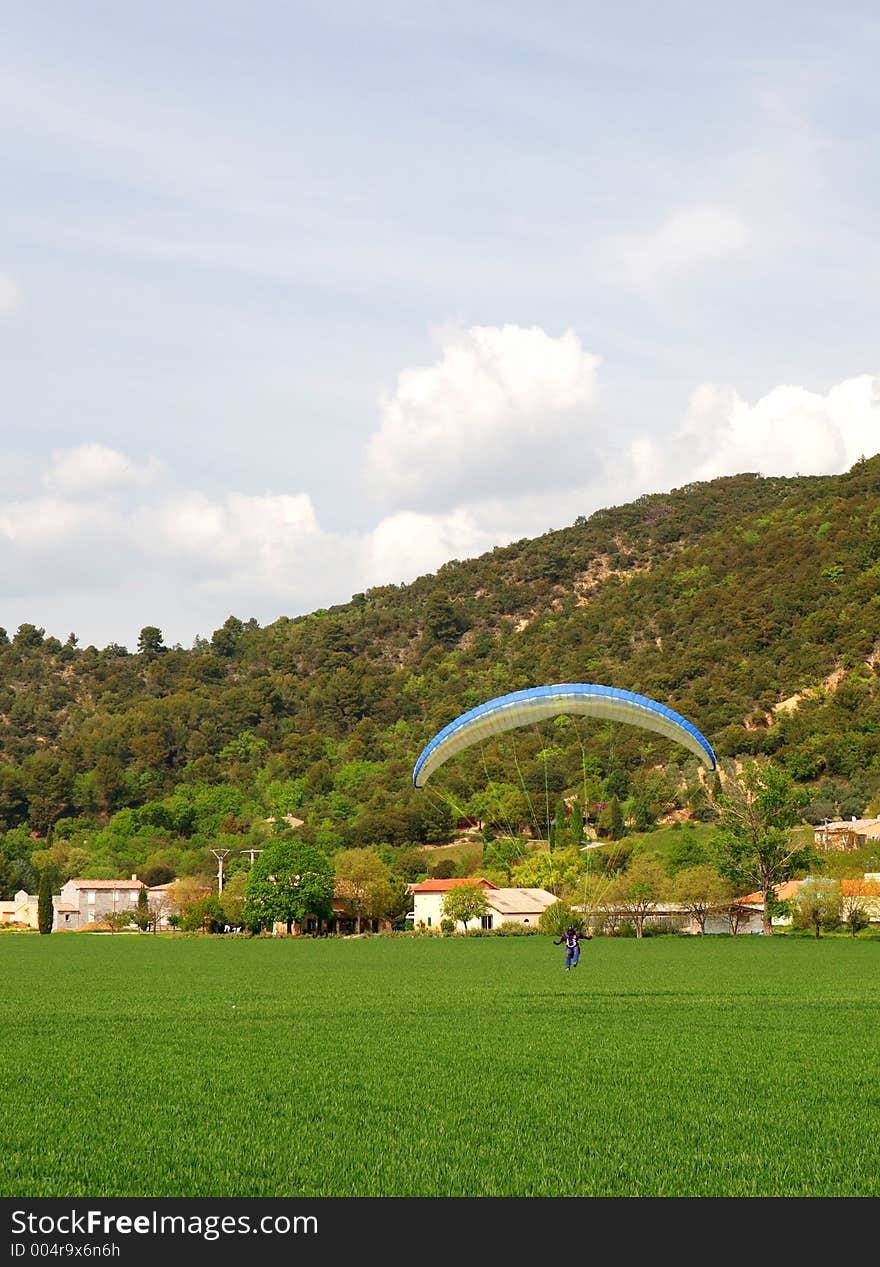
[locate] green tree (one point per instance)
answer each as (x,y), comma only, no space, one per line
(560,916)
(117,920)
(635,893)
(610,825)
(755,847)
(290,881)
(855,896)
(560,872)
(701,891)
(442,622)
(205,916)
(500,804)
(232,899)
(150,642)
(362,883)
(559,835)
(503,854)
(818,905)
(28,636)
(444,869)
(45,910)
(141,915)
(464,903)
(225,640)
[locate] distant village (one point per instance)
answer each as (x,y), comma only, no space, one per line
(100,906)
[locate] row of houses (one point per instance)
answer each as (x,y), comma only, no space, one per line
(84,904)
(525,906)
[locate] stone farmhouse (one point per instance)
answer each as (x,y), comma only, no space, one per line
(85,902)
(847,833)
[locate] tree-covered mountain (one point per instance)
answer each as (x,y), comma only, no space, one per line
(749,604)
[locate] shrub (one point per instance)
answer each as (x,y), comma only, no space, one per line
(560,916)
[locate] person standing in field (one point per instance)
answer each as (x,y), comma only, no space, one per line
(572,940)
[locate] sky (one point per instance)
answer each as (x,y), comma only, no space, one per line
(302,298)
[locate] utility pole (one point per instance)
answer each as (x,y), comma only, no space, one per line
(251,853)
(220,854)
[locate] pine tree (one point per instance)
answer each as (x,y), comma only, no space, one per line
(142,911)
(616,819)
(45,911)
(558,827)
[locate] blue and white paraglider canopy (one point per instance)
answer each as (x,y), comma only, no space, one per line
(521,708)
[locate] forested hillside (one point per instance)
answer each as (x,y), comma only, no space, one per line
(750,605)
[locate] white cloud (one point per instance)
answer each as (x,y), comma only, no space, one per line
(788,431)
(49,522)
(93,468)
(504,408)
(253,538)
(10,295)
(689,239)
(408,544)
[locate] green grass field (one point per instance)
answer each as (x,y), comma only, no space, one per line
(415,1066)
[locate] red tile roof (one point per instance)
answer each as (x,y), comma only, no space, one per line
(441,886)
(860,888)
(782,893)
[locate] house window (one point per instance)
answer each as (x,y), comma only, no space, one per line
(90,897)
(429,921)
(485,921)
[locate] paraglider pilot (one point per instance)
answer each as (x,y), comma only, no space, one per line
(572,939)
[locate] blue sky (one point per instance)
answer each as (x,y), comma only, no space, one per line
(297,299)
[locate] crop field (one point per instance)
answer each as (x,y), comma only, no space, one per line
(154,1066)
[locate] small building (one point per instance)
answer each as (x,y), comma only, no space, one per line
(428,898)
(66,915)
(867,891)
(785,892)
(846,833)
(676,917)
(516,906)
(520,906)
(21,912)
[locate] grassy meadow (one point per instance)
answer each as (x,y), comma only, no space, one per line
(394,1066)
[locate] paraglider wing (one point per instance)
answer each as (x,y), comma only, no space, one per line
(521,708)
